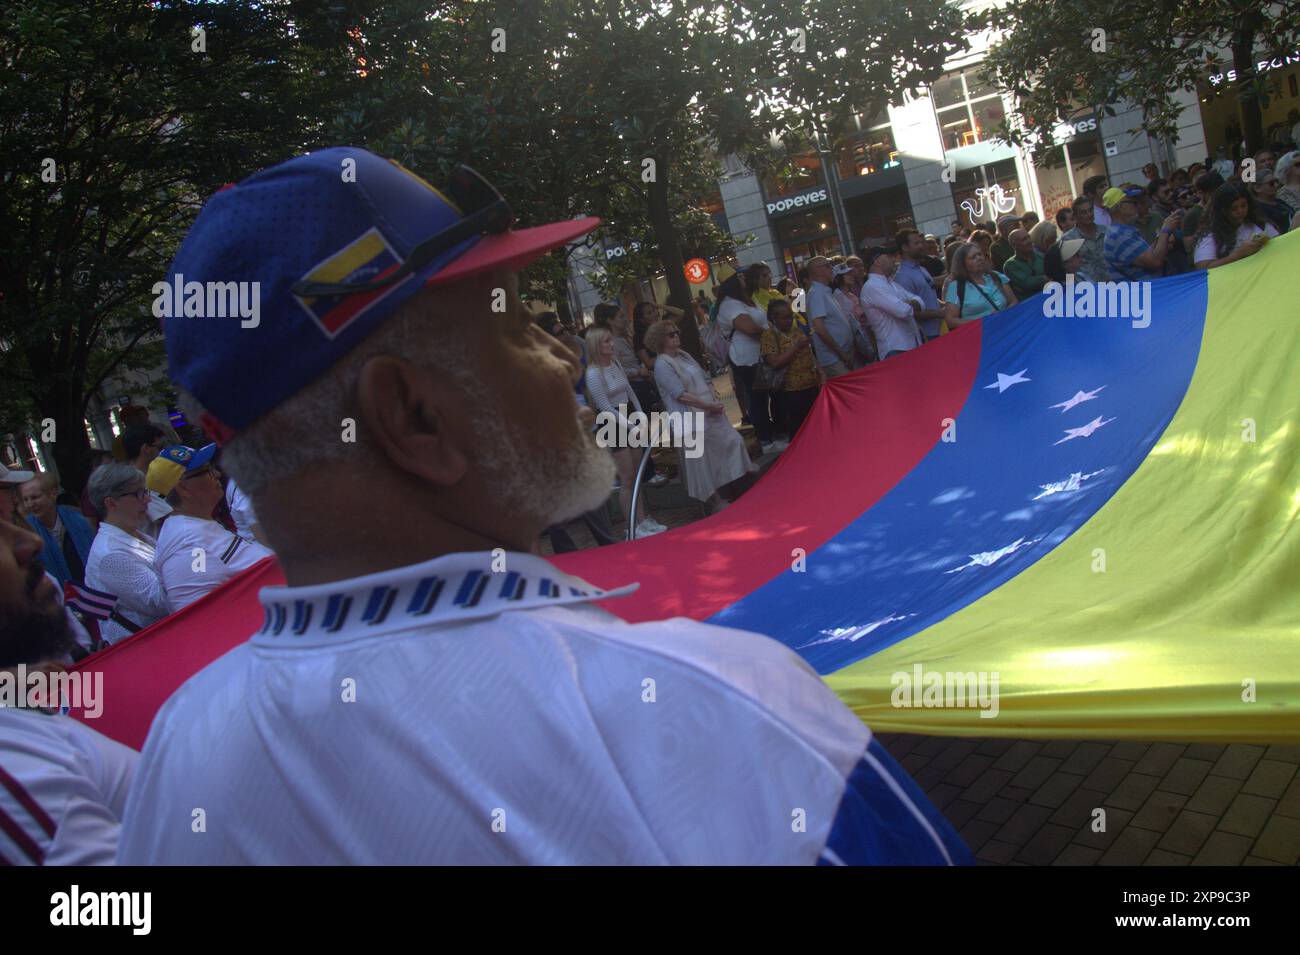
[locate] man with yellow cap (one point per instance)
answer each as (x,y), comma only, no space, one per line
(195,554)
(1128,256)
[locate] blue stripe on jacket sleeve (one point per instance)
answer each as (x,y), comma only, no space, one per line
(885,819)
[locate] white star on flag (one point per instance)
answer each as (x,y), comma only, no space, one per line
(1073,483)
(854,634)
(1006,381)
(991,557)
(1084,432)
(1079,398)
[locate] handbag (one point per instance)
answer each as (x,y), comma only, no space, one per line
(767,378)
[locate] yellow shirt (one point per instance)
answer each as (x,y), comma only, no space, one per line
(800,373)
(765,295)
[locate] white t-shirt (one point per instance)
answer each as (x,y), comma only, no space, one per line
(743,350)
(241,510)
(444,713)
(68,793)
(222,555)
(1207,250)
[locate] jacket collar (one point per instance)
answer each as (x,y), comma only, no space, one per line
(453,588)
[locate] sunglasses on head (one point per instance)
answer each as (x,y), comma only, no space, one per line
(484,211)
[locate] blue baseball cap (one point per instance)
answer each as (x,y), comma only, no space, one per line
(285,272)
(173,464)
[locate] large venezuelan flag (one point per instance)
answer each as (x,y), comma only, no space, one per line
(1104,515)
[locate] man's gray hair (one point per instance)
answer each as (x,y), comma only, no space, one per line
(308,428)
(112,480)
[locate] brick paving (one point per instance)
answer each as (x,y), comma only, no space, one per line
(1084,802)
(1077,802)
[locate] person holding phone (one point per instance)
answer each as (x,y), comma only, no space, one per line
(1233,228)
(1128,256)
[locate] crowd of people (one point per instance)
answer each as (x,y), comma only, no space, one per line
(780,341)
(485,451)
(394,707)
(151,502)
(152,532)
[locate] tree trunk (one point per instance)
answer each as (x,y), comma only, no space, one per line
(1243,61)
(670,254)
(71,446)
(560,290)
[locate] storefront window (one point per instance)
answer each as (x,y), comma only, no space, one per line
(874,218)
(1064,169)
(956,128)
(986,192)
(1221,112)
(969,108)
(867,152)
(977,85)
(948,91)
(1055,189)
(803,236)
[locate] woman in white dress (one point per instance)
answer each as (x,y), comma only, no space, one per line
(685,388)
(610,393)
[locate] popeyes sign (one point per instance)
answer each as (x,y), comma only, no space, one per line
(697,271)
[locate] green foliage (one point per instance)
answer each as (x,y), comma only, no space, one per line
(139,127)
(142,128)
(1051,59)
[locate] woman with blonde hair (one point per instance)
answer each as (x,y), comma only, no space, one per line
(686,389)
(1044,235)
(610,393)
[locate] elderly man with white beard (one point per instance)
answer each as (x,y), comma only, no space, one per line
(426,689)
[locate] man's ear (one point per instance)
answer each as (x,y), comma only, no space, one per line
(407,414)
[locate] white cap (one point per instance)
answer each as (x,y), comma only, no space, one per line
(14,477)
(1070,248)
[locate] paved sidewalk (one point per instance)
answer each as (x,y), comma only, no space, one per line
(1023,802)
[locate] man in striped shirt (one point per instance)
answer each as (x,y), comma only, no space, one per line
(63,787)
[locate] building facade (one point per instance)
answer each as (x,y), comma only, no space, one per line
(930,163)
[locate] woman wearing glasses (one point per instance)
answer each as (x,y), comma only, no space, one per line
(687,390)
(121,557)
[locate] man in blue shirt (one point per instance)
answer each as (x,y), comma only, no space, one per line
(917,279)
(1128,255)
(834,333)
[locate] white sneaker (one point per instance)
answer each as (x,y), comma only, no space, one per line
(774,447)
(646,529)
(655,524)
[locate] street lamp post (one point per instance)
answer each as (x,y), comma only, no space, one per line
(833,192)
